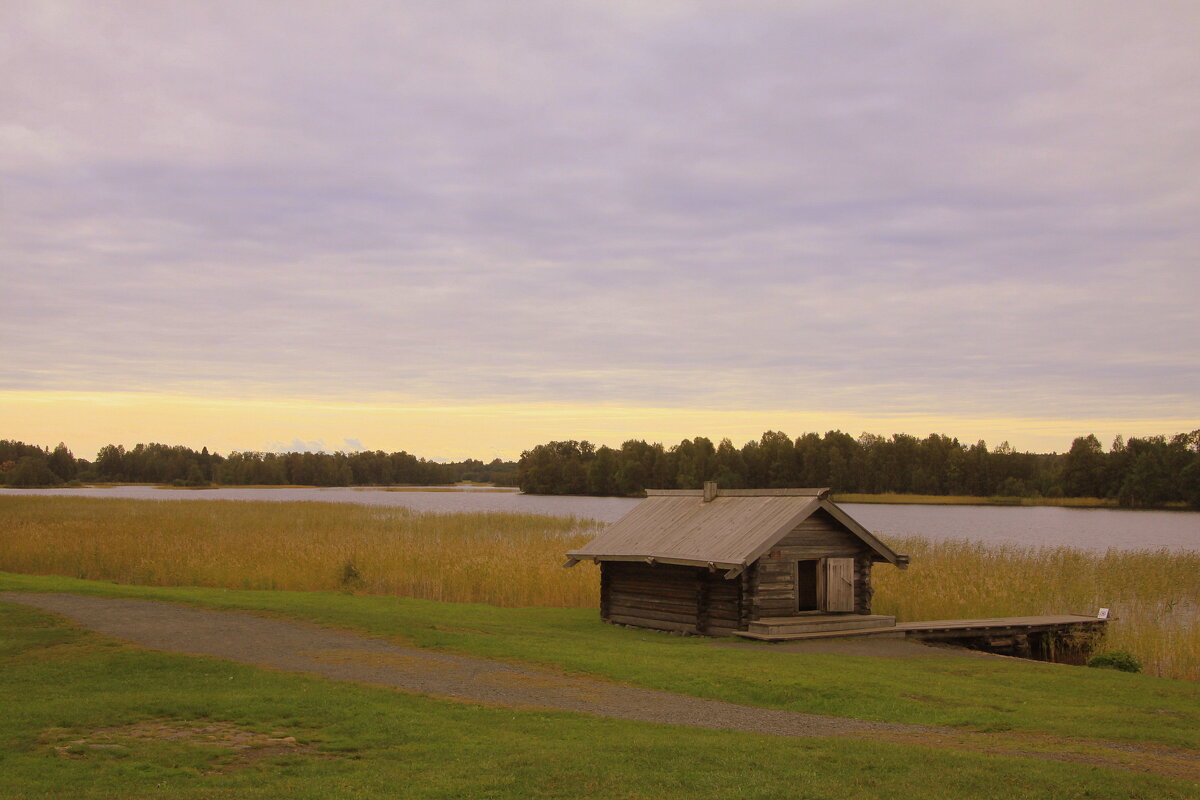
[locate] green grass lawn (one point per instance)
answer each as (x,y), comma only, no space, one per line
(986,694)
(60,685)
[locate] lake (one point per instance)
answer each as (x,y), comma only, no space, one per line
(1091,529)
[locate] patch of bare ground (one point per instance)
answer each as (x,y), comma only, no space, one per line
(223,746)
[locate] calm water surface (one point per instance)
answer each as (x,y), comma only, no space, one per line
(1093,529)
(1087,528)
(606,509)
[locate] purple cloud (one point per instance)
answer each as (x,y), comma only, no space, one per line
(822,206)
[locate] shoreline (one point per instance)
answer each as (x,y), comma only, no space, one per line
(999,501)
(847,497)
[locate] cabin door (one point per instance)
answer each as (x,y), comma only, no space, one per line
(808,593)
(839,584)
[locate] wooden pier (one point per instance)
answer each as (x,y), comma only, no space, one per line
(1064,638)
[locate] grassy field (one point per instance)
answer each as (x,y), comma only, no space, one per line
(86,717)
(514,560)
(982,693)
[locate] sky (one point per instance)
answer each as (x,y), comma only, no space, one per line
(462,229)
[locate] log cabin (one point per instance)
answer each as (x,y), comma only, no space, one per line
(719,561)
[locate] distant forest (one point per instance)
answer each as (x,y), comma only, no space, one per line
(29,465)
(1149,472)
(1146,472)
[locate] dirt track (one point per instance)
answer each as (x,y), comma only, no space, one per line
(341,655)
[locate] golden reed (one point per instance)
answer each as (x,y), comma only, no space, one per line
(501,559)
(515,560)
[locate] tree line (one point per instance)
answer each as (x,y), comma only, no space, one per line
(25,465)
(1140,472)
(1152,471)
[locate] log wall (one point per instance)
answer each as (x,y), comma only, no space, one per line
(864,591)
(669,597)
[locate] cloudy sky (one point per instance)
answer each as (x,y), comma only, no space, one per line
(466,228)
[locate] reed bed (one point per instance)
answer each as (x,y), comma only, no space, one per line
(515,560)
(1153,595)
(500,559)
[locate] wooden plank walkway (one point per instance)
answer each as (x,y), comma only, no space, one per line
(998,624)
(943,629)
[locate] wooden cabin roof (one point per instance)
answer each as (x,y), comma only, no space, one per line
(730,531)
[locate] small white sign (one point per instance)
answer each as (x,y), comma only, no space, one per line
(1103,614)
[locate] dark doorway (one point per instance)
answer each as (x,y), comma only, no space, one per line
(806,585)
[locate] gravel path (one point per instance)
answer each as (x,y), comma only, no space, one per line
(342,655)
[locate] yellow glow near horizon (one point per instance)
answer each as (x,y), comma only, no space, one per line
(86,421)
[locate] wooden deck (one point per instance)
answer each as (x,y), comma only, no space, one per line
(998,625)
(787,629)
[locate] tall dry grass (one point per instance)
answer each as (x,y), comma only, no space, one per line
(515,560)
(501,559)
(1154,595)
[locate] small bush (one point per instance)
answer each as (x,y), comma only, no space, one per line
(1116,659)
(350,575)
